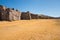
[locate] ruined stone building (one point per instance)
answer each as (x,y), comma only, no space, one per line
(9,14)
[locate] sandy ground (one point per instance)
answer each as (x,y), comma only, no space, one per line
(43,29)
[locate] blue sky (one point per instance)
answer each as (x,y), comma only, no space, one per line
(46,7)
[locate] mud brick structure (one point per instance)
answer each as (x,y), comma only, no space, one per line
(9,14)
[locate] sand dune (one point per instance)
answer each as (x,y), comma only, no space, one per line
(44,29)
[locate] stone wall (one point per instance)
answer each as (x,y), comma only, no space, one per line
(14,15)
(2,12)
(28,16)
(9,14)
(25,16)
(34,16)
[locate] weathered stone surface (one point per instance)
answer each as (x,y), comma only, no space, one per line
(9,14)
(34,16)
(25,16)
(13,15)
(2,12)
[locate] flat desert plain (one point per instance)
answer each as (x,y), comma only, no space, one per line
(41,29)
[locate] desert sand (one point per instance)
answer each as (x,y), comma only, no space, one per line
(40,29)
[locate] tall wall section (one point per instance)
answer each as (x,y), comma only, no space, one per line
(9,14)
